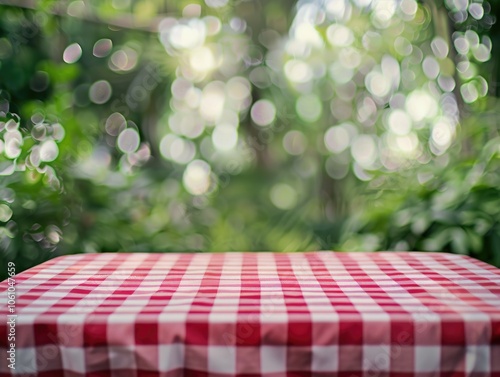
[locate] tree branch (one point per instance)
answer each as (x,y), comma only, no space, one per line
(124,21)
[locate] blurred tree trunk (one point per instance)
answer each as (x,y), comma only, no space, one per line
(495,52)
(444,29)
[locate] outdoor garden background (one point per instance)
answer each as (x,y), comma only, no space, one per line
(249,125)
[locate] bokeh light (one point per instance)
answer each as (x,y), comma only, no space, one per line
(48,151)
(196,177)
(263,112)
(283,196)
(72,53)
(124,59)
(102,47)
(295,142)
(100,92)
(5,213)
(128,140)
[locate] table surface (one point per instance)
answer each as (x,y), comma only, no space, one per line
(256,314)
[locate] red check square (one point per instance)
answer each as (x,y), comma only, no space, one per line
(300,334)
(248,334)
(94,335)
(350,332)
(146,333)
(197,333)
(453,333)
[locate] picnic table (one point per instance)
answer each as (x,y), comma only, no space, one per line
(254,314)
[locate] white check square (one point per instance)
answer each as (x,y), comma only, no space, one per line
(122,357)
(273,359)
(73,359)
(25,361)
(376,358)
(222,359)
(325,358)
(477,359)
(427,359)
(170,357)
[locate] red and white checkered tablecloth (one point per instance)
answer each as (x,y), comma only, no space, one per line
(255,314)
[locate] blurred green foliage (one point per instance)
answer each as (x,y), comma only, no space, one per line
(144,125)
(454,209)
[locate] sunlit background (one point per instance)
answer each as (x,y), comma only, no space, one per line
(153,125)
